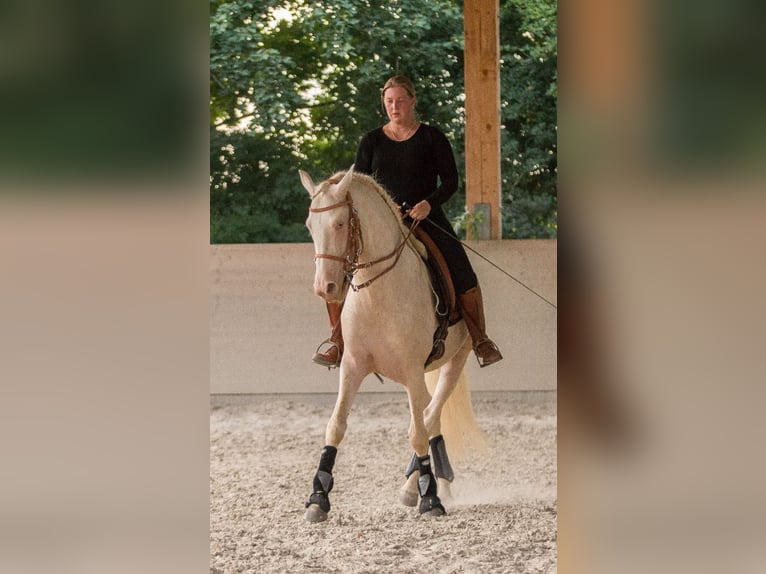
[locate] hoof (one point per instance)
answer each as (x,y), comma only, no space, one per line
(431,506)
(315,514)
(408,498)
(434,512)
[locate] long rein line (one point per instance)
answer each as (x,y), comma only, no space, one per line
(355,235)
(464,244)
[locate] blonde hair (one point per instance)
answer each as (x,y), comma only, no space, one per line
(398,82)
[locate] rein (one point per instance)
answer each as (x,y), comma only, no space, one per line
(355,246)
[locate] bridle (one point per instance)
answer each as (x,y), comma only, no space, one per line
(355,246)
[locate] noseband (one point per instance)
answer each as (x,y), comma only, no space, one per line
(355,246)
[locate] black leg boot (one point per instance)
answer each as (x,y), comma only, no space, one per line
(442,466)
(429,500)
(323,483)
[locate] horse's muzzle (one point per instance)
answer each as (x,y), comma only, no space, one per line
(329,290)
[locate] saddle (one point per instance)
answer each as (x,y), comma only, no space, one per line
(447,311)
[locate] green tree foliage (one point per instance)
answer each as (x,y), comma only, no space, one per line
(295,84)
(528,46)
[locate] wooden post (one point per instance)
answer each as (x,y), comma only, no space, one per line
(482,114)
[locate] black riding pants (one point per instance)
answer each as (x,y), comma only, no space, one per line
(463,276)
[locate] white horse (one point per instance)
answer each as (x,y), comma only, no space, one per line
(364,253)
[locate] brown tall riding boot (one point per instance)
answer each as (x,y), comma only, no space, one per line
(472,307)
(331,357)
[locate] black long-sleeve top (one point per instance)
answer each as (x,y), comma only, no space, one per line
(422,167)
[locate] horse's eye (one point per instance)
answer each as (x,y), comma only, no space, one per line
(339,225)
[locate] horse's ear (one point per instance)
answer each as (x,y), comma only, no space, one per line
(307,182)
(346,181)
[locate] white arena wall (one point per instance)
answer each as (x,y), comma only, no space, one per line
(266,322)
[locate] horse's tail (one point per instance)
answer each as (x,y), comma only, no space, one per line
(462,434)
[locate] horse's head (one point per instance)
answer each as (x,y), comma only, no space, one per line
(329,223)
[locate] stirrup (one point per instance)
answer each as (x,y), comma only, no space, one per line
(486,363)
(323,359)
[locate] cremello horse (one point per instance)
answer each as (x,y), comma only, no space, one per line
(363,252)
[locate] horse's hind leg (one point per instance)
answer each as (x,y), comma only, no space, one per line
(318,503)
(442,470)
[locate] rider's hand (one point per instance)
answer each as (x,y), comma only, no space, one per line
(420,211)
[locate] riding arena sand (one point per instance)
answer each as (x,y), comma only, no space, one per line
(501,516)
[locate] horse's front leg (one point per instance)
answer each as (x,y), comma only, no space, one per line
(430,504)
(448,377)
(318,503)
